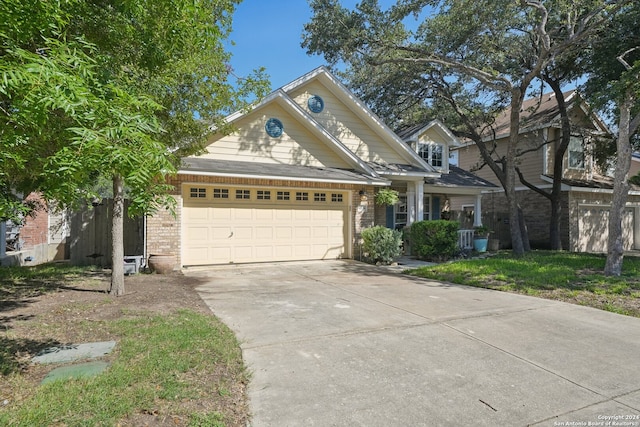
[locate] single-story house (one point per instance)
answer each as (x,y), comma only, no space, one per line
(297,180)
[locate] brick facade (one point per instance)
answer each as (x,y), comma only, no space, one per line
(35,229)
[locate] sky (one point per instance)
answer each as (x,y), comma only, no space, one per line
(268,33)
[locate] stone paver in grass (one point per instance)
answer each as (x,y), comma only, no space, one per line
(88,369)
(74,352)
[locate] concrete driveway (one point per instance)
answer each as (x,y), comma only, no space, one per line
(340,343)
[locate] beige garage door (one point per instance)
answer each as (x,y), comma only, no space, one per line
(237,225)
(594,229)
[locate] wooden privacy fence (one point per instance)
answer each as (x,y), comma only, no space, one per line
(90,235)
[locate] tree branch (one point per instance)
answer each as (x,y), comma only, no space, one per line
(530,186)
(495,82)
(621,59)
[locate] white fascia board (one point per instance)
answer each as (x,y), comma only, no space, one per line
(308,121)
(305,78)
(376,125)
(412,176)
(458,191)
(376,182)
(453,139)
(242,113)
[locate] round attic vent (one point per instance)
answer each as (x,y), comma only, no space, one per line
(274,127)
(316,104)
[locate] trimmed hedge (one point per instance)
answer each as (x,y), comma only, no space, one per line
(382,244)
(434,240)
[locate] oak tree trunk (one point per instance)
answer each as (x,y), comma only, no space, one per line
(510,175)
(615,243)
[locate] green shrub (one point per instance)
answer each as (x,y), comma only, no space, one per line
(382,244)
(434,240)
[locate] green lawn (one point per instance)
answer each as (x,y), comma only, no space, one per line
(160,358)
(178,365)
(571,277)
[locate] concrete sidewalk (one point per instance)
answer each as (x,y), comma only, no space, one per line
(340,343)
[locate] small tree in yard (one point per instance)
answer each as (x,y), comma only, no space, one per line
(434,240)
(114,89)
(381,244)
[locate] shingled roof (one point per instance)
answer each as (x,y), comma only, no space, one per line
(535,113)
(458,177)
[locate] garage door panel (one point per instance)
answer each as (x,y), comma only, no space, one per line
(283,252)
(219,214)
(263,253)
(264,215)
(284,215)
(264,233)
(593,225)
(320,232)
(243,214)
(301,215)
(242,233)
(198,215)
(219,233)
(250,230)
(220,253)
(198,234)
(284,232)
(303,232)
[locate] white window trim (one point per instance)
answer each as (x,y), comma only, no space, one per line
(583,151)
(429,151)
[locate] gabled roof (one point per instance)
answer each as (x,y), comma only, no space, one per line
(412,133)
(283,98)
(327,79)
(541,112)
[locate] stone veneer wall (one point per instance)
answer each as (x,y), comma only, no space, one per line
(163,229)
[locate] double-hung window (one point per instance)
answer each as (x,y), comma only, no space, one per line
(432,154)
(576,153)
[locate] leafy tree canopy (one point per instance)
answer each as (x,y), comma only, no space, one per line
(96,88)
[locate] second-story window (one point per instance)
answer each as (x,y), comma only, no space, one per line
(576,153)
(431,153)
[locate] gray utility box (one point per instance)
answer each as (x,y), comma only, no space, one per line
(133,264)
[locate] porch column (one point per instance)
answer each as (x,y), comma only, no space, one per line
(411,202)
(477,217)
(420,200)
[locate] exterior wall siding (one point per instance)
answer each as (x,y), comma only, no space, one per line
(250,143)
(530,164)
(350,129)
